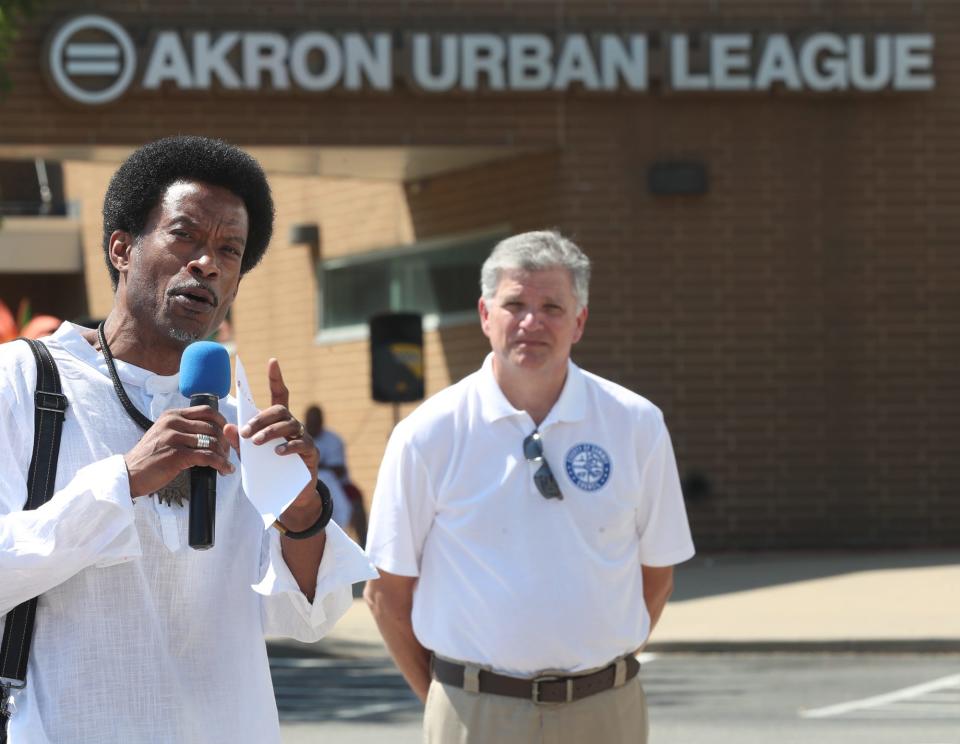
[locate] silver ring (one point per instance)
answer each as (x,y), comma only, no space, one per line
(203,441)
(301,432)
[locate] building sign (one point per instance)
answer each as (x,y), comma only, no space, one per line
(93,60)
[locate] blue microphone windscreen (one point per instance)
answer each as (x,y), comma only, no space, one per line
(205,369)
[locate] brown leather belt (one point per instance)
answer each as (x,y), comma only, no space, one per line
(546,689)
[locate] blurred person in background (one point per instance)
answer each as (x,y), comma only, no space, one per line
(333,462)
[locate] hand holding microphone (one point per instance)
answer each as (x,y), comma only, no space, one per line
(173,443)
(199,438)
(204,378)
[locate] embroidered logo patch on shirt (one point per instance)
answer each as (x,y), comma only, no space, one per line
(588,466)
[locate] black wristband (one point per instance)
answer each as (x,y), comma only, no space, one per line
(325,515)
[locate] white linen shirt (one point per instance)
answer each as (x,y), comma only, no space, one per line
(507,578)
(139,638)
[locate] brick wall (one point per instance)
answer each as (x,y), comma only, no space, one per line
(797,323)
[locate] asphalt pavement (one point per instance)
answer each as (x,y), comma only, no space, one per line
(837,648)
(702,698)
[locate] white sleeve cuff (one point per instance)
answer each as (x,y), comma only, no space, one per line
(387,561)
(671,558)
(343,564)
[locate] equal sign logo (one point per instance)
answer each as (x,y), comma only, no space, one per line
(92,59)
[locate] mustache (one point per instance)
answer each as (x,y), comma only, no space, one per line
(185,287)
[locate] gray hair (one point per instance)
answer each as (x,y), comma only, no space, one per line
(536,251)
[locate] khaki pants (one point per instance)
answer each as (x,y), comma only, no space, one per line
(454,716)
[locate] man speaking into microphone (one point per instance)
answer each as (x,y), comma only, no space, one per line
(139,637)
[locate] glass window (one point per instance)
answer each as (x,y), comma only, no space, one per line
(31,187)
(438,277)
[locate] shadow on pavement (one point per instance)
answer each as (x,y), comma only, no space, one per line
(316,689)
(724,573)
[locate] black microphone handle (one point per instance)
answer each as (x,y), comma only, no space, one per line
(203,493)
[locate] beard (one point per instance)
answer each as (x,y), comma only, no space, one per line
(184,337)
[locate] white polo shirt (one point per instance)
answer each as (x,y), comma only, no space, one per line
(509,579)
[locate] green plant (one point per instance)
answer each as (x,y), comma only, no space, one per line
(12,14)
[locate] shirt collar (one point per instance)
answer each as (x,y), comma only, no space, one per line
(69,337)
(493,403)
(570,406)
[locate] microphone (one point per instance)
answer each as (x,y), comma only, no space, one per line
(204,379)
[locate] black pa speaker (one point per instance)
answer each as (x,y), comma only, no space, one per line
(396,357)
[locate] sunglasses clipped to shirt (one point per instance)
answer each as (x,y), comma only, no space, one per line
(543,479)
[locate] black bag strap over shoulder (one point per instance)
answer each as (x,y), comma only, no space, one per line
(50,407)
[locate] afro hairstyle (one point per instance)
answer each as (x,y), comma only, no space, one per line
(141,181)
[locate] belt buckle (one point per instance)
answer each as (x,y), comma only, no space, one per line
(537,681)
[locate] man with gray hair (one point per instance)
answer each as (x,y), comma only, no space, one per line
(525,523)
